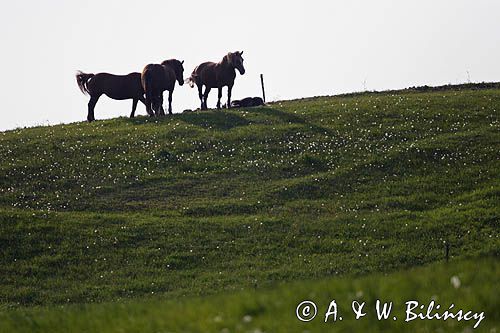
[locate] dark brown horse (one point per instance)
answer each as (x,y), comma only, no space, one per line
(217,75)
(114,86)
(156,78)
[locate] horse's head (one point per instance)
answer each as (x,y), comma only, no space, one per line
(236,60)
(176,65)
(179,71)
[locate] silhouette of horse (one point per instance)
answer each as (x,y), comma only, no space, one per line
(247,102)
(156,78)
(217,75)
(114,86)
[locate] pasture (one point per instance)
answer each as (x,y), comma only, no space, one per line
(215,213)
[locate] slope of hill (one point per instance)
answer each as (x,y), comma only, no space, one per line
(466,284)
(217,201)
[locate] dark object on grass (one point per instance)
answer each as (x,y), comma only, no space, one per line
(247,102)
(114,86)
(447,251)
(156,78)
(217,75)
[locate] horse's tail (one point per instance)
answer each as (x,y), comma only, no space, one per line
(192,79)
(146,81)
(82,79)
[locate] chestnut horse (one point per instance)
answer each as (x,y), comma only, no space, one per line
(114,86)
(156,78)
(217,75)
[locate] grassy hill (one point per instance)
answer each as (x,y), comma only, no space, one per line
(216,202)
(274,310)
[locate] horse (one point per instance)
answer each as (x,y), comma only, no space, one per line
(217,75)
(247,102)
(156,78)
(118,87)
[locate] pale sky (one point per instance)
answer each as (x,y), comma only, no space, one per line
(303,48)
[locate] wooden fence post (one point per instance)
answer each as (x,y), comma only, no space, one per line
(262,84)
(447,251)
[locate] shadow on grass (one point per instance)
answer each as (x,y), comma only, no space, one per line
(219,120)
(270,112)
(227,119)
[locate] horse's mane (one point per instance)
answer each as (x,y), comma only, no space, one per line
(225,59)
(167,62)
(82,80)
(170,62)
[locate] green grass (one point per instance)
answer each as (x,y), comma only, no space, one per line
(274,310)
(217,202)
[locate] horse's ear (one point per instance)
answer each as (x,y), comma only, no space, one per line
(182,62)
(241,52)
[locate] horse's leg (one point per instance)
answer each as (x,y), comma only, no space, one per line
(149,107)
(200,94)
(91,106)
(219,96)
(160,107)
(229,88)
(205,97)
(143,101)
(134,106)
(155,104)
(170,102)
